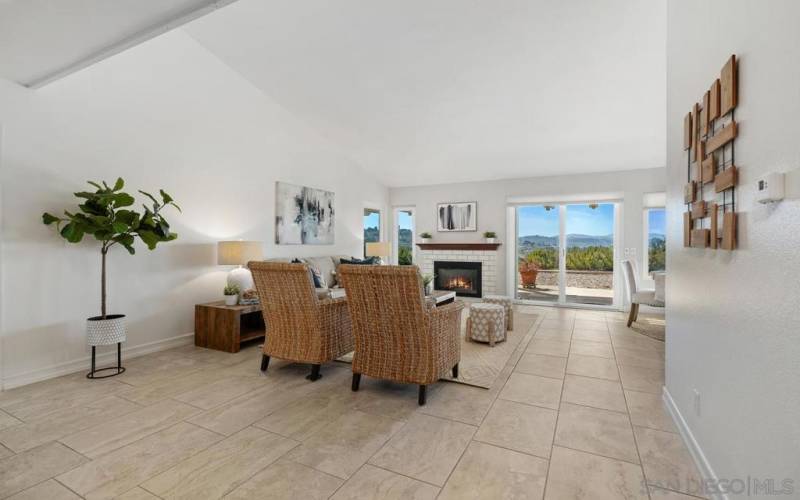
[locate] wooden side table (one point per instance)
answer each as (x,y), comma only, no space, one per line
(224,328)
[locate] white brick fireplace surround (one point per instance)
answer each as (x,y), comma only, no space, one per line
(487,258)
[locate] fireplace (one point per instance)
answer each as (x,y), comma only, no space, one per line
(464,278)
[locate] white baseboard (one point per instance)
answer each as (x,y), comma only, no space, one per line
(691,443)
(83,363)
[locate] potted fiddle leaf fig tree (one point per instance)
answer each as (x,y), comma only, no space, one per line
(105,215)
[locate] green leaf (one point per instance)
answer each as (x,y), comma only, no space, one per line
(119,227)
(119,184)
(93,208)
(123,200)
(163,228)
(127,216)
(103,235)
(49,219)
(176,206)
(155,202)
(98,186)
(130,249)
(124,239)
(167,198)
(150,238)
(72,232)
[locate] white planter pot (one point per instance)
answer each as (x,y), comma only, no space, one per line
(107,331)
(425,240)
(231,300)
(490,240)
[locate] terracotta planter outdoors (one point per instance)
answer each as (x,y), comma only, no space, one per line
(529,277)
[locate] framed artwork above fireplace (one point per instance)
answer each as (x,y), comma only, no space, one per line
(457,216)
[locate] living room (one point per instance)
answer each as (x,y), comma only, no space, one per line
(392,250)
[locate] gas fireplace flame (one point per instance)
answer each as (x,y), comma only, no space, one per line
(459,282)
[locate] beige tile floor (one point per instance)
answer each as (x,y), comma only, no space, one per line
(575,414)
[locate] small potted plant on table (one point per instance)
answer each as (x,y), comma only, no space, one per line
(425,237)
(104,215)
(231,293)
(490,236)
(427,281)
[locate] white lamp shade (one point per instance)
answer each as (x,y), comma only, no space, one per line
(239,253)
(378,249)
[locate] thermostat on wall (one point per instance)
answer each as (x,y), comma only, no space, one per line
(770,188)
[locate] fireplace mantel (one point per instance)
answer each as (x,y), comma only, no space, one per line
(458,246)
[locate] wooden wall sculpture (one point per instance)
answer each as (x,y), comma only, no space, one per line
(709,134)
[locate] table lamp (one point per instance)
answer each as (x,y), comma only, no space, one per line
(239,253)
(379,249)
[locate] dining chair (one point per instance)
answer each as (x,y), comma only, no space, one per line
(635,295)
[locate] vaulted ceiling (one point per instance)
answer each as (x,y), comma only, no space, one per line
(422,92)
(39,38)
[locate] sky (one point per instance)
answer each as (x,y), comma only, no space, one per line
(404,220)
(372,220)
(656,221)
(580,220)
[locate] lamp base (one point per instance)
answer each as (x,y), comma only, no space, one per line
(241,277)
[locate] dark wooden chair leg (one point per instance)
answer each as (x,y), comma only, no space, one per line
(422,395)
(632,315)
(455,371)
(315,374)
(356,381)
(264,362)
(636,316)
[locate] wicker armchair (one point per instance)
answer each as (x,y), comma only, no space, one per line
(398,336)
(300,327)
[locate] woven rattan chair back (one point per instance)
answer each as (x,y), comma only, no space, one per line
(290,308)
(390,322)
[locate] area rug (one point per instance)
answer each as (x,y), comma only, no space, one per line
(650,326)
(481,364)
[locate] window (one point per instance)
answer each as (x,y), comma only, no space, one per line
(655,233)
(372,226)
(404,223)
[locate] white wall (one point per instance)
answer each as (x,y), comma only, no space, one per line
(166,114)
(733,322)
(493,196)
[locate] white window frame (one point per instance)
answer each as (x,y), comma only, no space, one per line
(645,261)
(396,233)
(381,229)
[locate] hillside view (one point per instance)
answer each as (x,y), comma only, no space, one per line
(585,252)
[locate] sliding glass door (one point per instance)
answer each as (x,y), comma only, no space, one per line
(539,253)
(565,253)
(589,231)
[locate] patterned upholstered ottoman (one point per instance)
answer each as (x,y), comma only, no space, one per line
(486,323)
(505,302)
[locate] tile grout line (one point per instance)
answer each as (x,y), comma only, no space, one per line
(141,485)
(526,341)
(558,415)
(65,486)
(296,444)
(630,423)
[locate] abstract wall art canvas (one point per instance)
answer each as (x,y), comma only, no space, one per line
(460,216)
(303,215)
